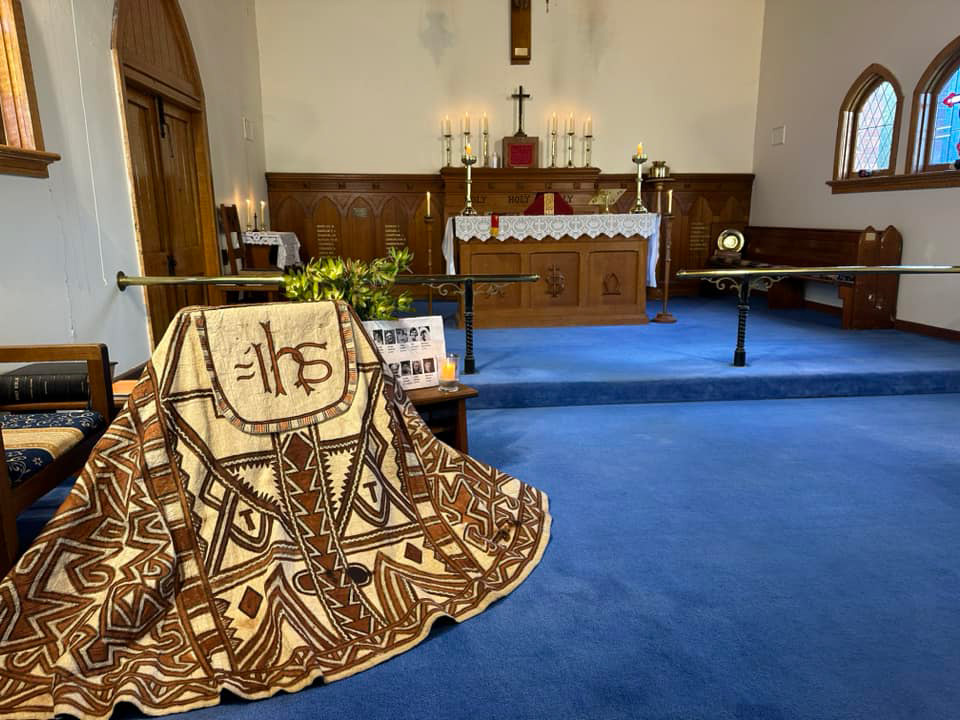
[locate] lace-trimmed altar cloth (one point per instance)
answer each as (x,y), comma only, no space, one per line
(537,227)
(267,509)
(288,244)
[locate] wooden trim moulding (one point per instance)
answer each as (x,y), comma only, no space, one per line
(358,182)
(929,330)
(882,183)
(30,163)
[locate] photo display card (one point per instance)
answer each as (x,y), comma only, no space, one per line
(412,347)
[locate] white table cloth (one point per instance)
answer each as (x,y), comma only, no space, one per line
(476,228)
(288,244)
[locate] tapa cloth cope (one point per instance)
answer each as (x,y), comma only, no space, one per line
(268,508)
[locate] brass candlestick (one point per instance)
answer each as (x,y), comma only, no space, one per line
(469,161)
(587,149)
(485,148)
(569,148)
(638,206)
(666,222)
(448,148)
(553,148)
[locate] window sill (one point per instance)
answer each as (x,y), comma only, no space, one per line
(31,163)
(880,183)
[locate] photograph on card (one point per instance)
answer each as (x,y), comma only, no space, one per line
(411,347)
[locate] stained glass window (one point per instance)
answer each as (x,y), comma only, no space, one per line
(875,129)
(946,124)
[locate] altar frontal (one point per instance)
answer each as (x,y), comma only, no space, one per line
(268,509)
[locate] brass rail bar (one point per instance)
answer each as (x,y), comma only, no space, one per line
(464,285)
(744,280)
(824,270)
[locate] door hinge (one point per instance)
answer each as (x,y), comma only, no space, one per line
(161,117)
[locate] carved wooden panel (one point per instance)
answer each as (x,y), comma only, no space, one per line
(561,273)
(359,216)
(499,263)
(327,233)
(613,278)
(361,227)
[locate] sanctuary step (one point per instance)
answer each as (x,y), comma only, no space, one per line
(793,353)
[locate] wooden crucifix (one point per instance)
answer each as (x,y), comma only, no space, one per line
(519,150)
(520,32)
(520,96)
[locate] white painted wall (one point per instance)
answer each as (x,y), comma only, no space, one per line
(812,52)
(362,85)
(63,239)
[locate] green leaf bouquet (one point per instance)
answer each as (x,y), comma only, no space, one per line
(367,286)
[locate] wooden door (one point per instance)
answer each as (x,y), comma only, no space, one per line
(168,152)
(163,160)
(143,137)
(179,160)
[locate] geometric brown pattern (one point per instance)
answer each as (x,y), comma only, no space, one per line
(268,509)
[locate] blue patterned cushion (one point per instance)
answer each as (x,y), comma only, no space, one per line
(32,440)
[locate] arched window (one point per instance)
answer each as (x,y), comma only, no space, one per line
(868,130)
(935,123)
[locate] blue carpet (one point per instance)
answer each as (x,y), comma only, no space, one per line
(790,353)
(771,560)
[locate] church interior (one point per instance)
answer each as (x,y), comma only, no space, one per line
(518,358)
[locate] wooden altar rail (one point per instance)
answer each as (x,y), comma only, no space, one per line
(743,280)
(464,285)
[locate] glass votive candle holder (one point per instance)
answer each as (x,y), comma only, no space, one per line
(449,373)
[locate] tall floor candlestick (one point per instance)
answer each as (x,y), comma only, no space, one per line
(428,223)
(666,228)
(469,161)
(638,206)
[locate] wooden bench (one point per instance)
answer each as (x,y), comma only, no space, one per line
(869,301)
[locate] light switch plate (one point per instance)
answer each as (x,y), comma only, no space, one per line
(778,136)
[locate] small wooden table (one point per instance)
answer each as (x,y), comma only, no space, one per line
(445,412)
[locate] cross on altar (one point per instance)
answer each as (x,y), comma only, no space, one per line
(520,96)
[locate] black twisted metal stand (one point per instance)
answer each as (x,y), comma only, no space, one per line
(743,286)
(466,286)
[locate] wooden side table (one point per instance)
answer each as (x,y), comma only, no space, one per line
(445,412)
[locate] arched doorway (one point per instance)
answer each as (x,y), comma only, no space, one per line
(168,154)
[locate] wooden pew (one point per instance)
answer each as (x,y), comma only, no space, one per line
(869,301)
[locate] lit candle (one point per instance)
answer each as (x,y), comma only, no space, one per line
(263,216)
(428,203)
(639,149)
(466,122)
(588,126)
(249,212)
(570,123)
(468,150)
(448,371)
(670,201)
(553,124)
(445,125)
(486,126)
